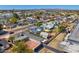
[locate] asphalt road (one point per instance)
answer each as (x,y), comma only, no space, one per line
(15,32)
(26,33)
(53,49)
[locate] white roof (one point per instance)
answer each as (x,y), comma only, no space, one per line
(44,34)
(73,48)
(68,47)
(75,34)
(49,25)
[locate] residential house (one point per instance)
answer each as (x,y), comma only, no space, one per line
(10,25)
(58,18)
(21,36)
(7,15)
(3,45)
(44,19)
(49,25)
(31,20)
(35,29)
(45,35)
(4,17)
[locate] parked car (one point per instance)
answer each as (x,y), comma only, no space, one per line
(11,32)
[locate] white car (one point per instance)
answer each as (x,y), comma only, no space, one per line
(44,40)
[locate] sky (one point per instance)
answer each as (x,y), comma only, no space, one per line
(9,7)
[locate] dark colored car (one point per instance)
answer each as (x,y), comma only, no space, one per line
(11,32)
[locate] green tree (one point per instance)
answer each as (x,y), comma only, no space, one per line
(38,17)
(20,47)
(38,24)
(13,20)
(39,13)
(1,26)
(61,28)
(28,15)
(16,16)
(23,15)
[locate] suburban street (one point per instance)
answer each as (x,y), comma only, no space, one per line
(53,45)
(53,49)
(52,28)
(55,42)
(21,29)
